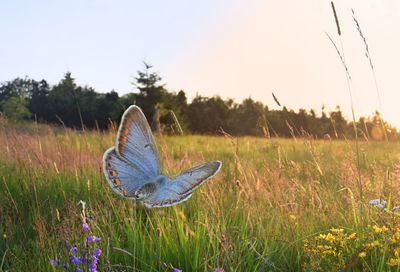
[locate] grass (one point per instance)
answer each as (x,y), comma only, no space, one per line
(270,198)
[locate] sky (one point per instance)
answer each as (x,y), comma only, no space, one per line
(231,48)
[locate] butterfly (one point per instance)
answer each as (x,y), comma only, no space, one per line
(133,166)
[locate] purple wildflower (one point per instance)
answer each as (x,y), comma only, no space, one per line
(73,249)
(93,239)
(78,269)
(66,266)
(177,270)
(97,252)
(219,270)
(93,267)
(75,260)
(85,226)
(95,260)
(54,262)
(83,258)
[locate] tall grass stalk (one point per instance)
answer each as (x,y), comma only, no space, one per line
(371,65)
(348,80)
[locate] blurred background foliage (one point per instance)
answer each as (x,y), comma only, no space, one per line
(82,107)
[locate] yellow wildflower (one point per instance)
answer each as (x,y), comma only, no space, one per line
(362,254)
(336,231)
(329,252)
(352,236)
(375,244)
(4,236)
(292,217)
(329,237)
(367,246)
(393,262)
(379,230)
(396,235)
(397,252)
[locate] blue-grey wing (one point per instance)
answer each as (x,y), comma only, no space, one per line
(123,177)
(181,187)
(136,144)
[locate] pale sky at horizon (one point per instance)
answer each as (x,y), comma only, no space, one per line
(230,48)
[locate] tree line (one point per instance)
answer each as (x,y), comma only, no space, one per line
(82,107)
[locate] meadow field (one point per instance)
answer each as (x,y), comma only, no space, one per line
(276,205)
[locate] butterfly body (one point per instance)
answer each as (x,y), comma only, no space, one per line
(147,189)
(133,166)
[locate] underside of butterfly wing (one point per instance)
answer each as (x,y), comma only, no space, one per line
(123,177)
(181,187)
(136,144)
(164,198)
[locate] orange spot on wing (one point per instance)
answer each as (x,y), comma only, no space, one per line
(192,185)
(125,193)
(126,131)
(166,201)
(124,139)
(117,181)
(199,180)
(113,173)
(158,203)
(121,147)
(110,165)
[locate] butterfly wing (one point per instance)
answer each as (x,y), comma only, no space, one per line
(136,144)
(181,188)
(123,177)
